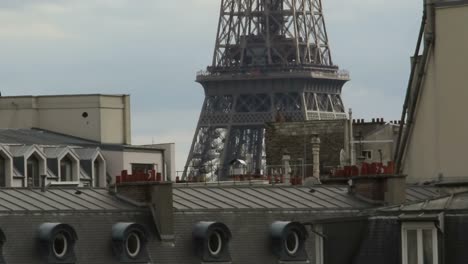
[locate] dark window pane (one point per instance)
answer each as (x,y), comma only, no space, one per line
(412,246)
(427,247)
(96,173)
(141,168)
(66,169)
(2,172)
(33,171)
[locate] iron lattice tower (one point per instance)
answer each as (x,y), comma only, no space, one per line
(271,62)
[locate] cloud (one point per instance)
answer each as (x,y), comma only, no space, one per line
(166,127)
(31,31)
(152,50)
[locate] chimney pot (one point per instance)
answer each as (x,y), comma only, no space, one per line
(43,183)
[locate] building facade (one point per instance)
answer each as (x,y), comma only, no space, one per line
(433,146)
(96,117)
(77,139)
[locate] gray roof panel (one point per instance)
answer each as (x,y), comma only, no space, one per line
(86,153)
(41,137)
(457,201)
(264,197)
(225,200)
(56,199)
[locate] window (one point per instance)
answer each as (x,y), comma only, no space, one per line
(141,168)
(419,243)
(66,169)
(367,154)
(96,173)
(33,172)
(2,172)
(318,230)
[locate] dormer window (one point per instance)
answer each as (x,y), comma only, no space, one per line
(288,241)
(3,173)
(57,243)
(6,168)
(211,242)
(66,168)
(291,243)
(419,243)
(33,172)
(129,242)
(97,174)
(60,245)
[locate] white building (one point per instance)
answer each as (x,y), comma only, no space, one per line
(81,139)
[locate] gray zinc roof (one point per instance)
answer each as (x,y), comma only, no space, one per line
(322,197)
(20,200)
(418,193)
(458,201)
(36,136)
(265,197)
(53,152)
(85,153)
(18,151)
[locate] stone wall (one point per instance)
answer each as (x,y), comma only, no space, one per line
(295,138)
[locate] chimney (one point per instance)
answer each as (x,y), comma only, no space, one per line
(316,156)
(43,183)
(287,168)
(158,197)
(384,189)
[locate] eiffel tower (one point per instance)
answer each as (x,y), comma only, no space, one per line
(271,62)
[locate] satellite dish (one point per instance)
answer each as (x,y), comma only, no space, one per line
(343,158)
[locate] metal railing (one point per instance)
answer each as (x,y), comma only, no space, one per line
(272,174)
(318,70)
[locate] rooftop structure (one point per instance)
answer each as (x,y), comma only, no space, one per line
(271,61)
(79,139)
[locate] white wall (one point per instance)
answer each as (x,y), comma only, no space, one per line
(114,162)
(169,150)
(107,116)
(439,140)
(142,158)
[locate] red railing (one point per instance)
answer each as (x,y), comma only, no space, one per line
(150,176)
(365,169)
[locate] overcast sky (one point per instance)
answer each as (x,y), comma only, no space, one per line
(152,50)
